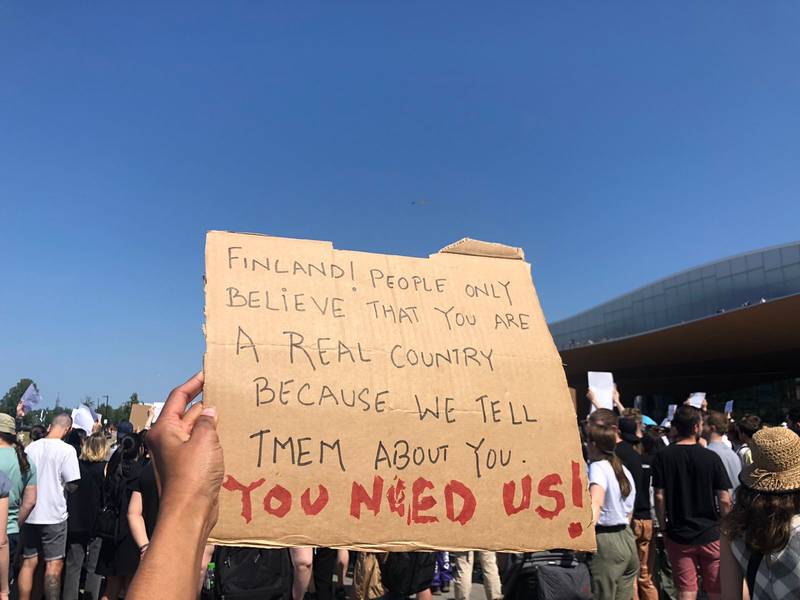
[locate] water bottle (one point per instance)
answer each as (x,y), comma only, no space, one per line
(210,582)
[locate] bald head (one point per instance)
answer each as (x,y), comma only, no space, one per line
(60,426)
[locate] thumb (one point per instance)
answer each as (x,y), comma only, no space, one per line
(205,426)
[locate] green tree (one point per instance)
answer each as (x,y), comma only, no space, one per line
(134,398)
(9,402)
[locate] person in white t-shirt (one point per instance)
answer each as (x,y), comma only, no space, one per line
(45,531)
(615,565)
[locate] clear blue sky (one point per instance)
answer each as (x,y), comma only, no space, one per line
(615,142)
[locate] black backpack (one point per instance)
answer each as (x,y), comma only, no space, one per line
(406,573)
(251,574)
(553,575)
(108,524)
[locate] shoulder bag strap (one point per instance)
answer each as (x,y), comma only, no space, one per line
(752,568)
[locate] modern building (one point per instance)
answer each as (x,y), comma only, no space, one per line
(730,328)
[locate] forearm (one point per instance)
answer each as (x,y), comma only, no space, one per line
(724,500)
(25,508)
(181,531)
(138,530)
(4,564)
(661,511)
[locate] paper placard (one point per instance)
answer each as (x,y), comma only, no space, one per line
(602,384)
(386,402)
(157,406)
(82,419)
(729,407)
(696,399)
(30,399)
(671,411)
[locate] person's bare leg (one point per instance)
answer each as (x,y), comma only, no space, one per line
(302,560)
(342,560)
(37,589)
(52,579)
(25,578)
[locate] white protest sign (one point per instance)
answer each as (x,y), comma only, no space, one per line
(82,419)
(30,399)
(729,407)
(157,407)
(602,384)
(671,412)
(697,399)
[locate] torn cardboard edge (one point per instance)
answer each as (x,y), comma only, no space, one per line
(465,246)
(472,247)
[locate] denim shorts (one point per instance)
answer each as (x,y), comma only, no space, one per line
(49,541)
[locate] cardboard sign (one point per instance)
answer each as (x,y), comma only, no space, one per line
(141,416)
(388,403)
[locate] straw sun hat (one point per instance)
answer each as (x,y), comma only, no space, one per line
(776,461)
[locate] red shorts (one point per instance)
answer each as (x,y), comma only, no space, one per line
(687,559)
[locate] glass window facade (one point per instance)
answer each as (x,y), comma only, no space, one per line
(693,294)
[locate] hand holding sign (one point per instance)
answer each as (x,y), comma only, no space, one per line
(30,400)
(697,400)
(187,454)
(188,465)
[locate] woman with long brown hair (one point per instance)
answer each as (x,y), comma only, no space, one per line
(615,565)
(761,534)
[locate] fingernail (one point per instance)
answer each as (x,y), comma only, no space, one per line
(209,412)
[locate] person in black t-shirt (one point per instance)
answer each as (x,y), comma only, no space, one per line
(691,493)
(143,507)
(119,557)
(629,451)
(83,504)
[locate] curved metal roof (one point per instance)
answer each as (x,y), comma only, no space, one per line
(701,291)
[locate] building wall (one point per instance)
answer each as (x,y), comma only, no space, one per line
(689,295)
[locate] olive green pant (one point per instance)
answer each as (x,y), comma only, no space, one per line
(615,565)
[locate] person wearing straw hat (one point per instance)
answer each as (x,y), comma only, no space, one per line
(761,535)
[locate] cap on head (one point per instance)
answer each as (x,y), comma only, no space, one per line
(627,430)
(7,424)
(124,427)
(776,461)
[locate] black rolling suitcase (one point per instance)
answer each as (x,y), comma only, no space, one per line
(552,575)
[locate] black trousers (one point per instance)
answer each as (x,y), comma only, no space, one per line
(324,567)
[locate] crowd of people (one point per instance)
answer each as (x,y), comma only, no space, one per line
(707,504)
(704,502)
